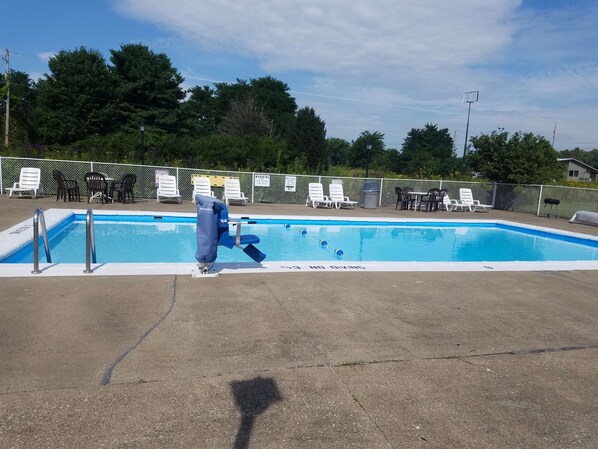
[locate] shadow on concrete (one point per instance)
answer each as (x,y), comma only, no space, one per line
(252,397)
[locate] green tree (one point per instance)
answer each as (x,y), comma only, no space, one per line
(199,111)
(269,94)
(360,156)
(388,160)
(522,158)
(278,104)
(224,152)
(245,118)
(75,100)
(224,93)
(338,149)
(309,140)
(148,88)
(428,151)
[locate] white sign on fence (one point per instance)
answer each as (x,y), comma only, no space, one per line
(290,183)
(262,180)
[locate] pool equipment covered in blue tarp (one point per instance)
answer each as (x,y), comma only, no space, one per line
(213,230)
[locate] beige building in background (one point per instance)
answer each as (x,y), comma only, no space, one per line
(578,171)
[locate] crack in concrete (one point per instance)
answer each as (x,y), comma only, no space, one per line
(463,357)
(562,275)
(108,372)
(323,365)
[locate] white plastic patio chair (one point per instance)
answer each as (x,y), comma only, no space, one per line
(29,181)
(232,192)
(202,186)
(168,188)
(451,205)
(316,196)
(466,200)
(337,196)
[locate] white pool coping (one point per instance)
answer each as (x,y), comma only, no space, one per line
(21,234)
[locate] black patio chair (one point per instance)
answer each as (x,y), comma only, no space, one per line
(97,187)
(124,188)
(430,199)
(409,198)
(403,199)
(440,204)
(66,188)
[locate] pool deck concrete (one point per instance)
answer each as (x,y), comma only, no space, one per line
(305,360)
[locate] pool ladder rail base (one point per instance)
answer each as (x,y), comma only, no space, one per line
(90,242)
(39,219)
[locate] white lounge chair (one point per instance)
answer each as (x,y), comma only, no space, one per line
(29,181)
(337,196)
(466,200)
(451,205)
(167,188)
(232,192)
(316,196)
(202,186)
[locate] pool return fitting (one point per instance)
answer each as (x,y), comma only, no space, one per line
(213,230)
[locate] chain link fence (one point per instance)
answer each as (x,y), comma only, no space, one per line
(293,189)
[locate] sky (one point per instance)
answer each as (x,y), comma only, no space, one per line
(383,66)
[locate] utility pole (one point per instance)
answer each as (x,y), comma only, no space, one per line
(7,59)
(469,97)
(553,134)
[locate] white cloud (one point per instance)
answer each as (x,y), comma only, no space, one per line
(391,65)
(337,36)
(46,55)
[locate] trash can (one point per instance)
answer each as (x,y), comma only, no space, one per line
(371,195)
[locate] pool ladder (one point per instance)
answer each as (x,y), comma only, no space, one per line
(90,242)
(39,219)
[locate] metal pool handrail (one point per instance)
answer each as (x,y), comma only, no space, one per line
(90,242)
(38,216)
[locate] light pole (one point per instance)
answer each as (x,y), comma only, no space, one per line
(367,160)
(469,97)
(7,75)
(142,130)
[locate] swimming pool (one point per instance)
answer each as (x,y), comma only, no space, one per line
(153,242)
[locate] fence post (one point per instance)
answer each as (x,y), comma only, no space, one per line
(494,195)
(539,200)
(1,176)
(252,185)
(381,190)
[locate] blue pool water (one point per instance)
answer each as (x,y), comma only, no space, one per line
(136,239)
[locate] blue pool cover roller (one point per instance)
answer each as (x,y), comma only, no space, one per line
(213,230)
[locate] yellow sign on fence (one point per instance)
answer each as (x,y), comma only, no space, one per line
(215,180)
